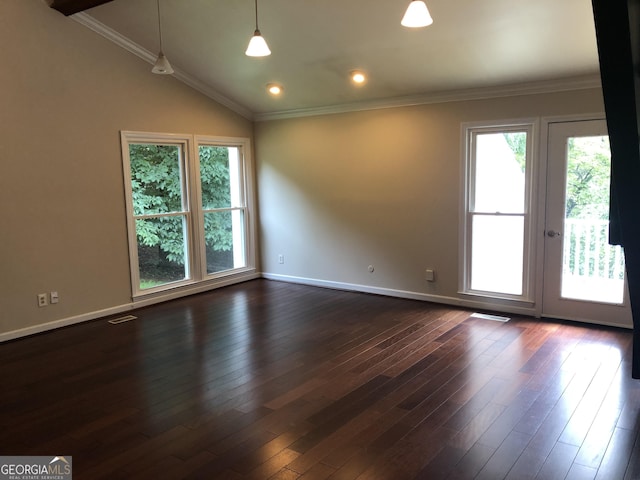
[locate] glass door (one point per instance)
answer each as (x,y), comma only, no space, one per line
(584,276)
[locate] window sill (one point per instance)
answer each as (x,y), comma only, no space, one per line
(183,289)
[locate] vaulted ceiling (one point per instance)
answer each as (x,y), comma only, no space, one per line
(473,48)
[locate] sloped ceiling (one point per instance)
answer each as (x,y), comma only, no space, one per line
(472,47)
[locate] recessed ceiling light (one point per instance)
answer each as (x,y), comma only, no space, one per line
(274,89)
(358,77)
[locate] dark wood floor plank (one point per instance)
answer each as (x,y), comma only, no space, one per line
(472,462)
(214,430)
(186,468)
(581,472)
(633,468)
(337,439)
(630,415)
(269,380)
(593,448)
(616,458)
(476,427)
(368,440)
(535,417)
(406,457)
(135,457)
(591,401)
(441,466)
(319,471)
(504,457)
(559,461)
(274,467)
(508,418)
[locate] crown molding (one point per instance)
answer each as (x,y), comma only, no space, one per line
(530,88)
(149,57)
(511,90)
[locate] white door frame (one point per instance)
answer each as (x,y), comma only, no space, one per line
(541,200)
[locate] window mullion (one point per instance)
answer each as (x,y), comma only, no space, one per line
(161,215)
(195,217)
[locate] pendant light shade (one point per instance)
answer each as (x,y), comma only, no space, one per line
(162,65)
(417,15)
(257,45)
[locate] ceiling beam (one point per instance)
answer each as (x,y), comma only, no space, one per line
(69,7)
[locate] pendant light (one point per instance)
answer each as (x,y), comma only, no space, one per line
(257,45)
(162,65)
(417,15)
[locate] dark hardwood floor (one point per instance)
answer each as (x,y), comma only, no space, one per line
(267,380)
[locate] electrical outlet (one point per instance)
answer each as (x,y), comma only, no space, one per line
(42,300)
(54,297)
(280,258)
(430,275)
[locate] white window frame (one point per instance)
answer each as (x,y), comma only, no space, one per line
(245,193)
(195,262)
(469,132)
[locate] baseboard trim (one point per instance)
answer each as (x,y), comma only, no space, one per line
(425,297)
(588,322)
(389,292)
(158,298)
(64,322)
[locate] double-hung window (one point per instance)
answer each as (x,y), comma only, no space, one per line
(496,218)
(223,206)
(189,206)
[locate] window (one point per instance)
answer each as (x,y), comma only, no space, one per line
(188,205)
(497,211)
(223,207)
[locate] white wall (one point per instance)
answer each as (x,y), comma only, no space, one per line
(66,94)
(338,193)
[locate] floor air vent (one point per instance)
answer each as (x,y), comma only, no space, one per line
(495,318)
(118,320)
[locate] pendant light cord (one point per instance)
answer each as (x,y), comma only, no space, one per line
(159,26)
(256,1)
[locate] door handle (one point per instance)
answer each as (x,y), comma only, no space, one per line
(552,233)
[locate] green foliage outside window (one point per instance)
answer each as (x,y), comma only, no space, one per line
(588,173)
(517,141)
(157,182)
(216,193)
(588,176)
